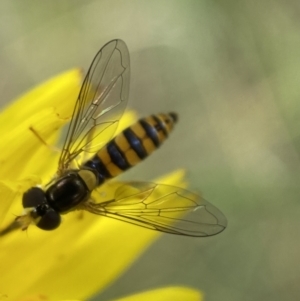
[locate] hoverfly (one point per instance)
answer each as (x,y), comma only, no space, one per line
(100,104)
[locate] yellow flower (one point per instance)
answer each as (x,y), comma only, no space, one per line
(83,255)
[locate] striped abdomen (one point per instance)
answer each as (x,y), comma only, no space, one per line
(131,146)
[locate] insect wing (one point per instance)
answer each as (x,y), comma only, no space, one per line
(160,207)
(100,104)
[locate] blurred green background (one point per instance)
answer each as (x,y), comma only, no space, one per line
(231,70)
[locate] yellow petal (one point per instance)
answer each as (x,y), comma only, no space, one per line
(78,259)
(86,253)
(167,294)
(56,93)
(7,195)
(45,109)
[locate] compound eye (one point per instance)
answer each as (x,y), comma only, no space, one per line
(33,197)
(50,220)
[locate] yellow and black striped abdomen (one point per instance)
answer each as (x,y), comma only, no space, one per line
(131,146)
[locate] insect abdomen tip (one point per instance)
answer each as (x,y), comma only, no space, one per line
(174,116)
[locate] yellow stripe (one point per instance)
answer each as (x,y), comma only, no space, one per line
(130,155)
(112,168)
(148,145)
(122,142)
(138,130)
(153,123)
(104,156)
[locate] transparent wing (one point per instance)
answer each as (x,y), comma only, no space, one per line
(159,207)
(100,104)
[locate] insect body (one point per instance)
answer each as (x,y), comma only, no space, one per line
(131,146)
(100,104)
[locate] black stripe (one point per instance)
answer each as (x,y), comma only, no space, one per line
(160,125)
(150,131)
(135,143)
(116,155)
(95,164)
